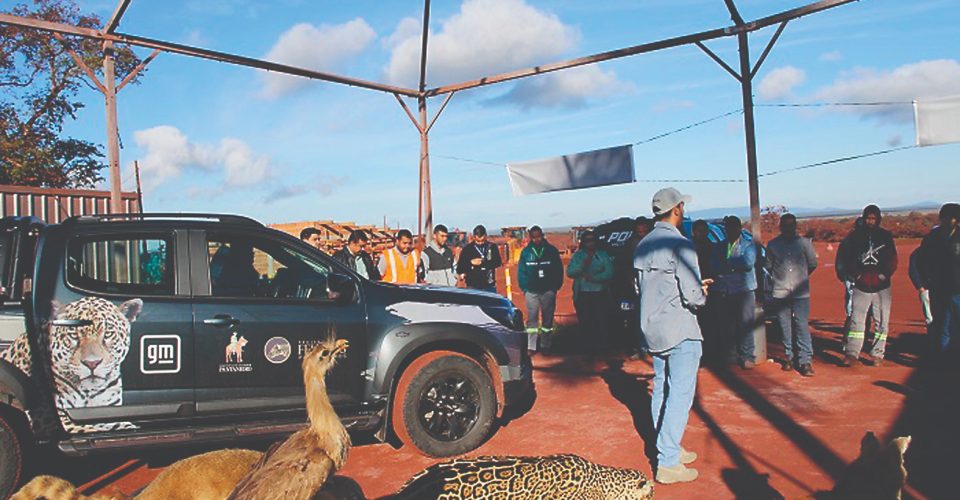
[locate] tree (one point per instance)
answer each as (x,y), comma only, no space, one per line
(39,83)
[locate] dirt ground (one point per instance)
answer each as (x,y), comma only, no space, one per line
(760,434)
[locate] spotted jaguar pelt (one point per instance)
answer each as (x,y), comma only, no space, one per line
(85,360)
(555,476)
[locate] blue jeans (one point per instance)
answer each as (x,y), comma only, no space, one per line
(736,316)
(793,315)
(946,320)
(674,385)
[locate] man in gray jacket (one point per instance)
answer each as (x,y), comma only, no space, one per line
(670,290)
(438,261)
(790,260)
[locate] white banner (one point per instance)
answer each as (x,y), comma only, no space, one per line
(602,167)
(938,121)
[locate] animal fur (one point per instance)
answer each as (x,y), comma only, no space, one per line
(878,473)
(54,488)
(210,476)
(299,467)
(554,476)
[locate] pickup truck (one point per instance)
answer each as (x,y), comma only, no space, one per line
(155,330)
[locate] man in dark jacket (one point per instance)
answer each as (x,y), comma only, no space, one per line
(939,269)
(869,260)
(540,272)
(479,261)
(355,257)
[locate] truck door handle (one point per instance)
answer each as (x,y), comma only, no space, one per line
(221,320)
(73,323)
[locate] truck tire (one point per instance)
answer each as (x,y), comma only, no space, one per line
(444,405)
(15,447)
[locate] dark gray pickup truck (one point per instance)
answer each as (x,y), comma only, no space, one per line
(153,330)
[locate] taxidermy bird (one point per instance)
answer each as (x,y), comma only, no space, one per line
(298,467)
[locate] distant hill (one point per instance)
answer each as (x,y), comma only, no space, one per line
(800,212)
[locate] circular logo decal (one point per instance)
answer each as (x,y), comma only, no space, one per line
(277,350)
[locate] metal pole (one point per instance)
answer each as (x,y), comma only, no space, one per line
(426,210)
(746,85)
(113,134)
(136,170)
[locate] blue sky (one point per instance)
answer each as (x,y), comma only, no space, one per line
(216,137)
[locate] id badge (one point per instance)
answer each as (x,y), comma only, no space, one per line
(540,271)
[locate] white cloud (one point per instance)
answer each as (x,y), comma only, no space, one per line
(779,83)
(168,152)
(568,88)
(318,48)
(832,56)
(924,79)
(493,36)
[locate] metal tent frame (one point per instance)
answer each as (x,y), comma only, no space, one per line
(740,28)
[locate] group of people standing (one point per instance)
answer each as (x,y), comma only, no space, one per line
(436,264)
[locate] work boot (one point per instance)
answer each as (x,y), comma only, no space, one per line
(677,474)
(848,361)
(747,364)
(806,370)
(877,362)
(687,457)
(785,365)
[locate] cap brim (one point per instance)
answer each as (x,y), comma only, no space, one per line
(686,199)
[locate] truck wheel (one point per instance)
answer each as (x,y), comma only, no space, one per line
(444,405)
(14,449)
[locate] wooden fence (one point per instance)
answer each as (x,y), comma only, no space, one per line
(55,205)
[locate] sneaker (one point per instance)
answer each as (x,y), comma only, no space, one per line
(687,457)
(806,370)
(677,474)
(748,365)
(785,365)
(848,361)
(877,362)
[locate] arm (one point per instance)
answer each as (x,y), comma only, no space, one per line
(745,261)
(556,270)
(913,270)
(382,265)
(688,277)
(811,255)
(575,267)
(463,263)
(494,261)
(606,272)
(893,261)
(523,274)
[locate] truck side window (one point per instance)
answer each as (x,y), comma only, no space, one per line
(241,266)
(136,266)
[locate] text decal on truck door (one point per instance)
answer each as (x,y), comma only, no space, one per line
(159,354)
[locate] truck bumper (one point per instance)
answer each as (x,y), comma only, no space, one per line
(517,380)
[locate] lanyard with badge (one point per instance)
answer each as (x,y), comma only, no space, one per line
(538,255)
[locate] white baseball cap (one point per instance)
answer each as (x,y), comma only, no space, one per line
(668,198)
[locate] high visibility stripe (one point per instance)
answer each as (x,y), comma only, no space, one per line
(880,336)
(547,330)
(533,330)
(855,335)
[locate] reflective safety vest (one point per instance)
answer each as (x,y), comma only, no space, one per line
(398,271)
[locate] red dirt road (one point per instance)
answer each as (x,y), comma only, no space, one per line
(760,434)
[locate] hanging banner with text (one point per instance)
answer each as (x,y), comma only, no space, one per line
(602,167)
(938,120)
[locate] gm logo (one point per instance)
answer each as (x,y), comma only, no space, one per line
(159,354)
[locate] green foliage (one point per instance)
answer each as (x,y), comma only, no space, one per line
(39,83)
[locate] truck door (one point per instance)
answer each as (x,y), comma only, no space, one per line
(121,327)
(266,303)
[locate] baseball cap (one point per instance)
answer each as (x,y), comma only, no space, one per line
(668,198)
